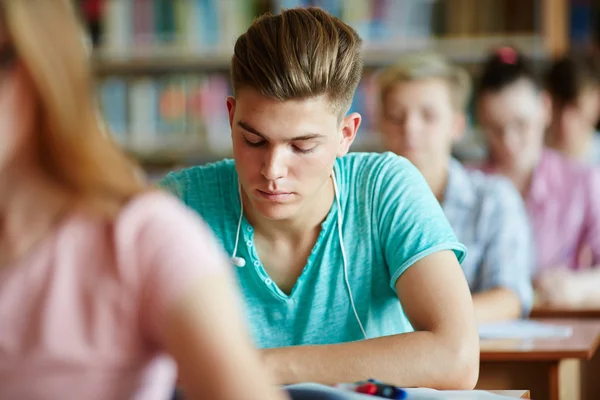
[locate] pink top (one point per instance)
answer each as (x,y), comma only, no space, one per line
(564,209)
(82,316)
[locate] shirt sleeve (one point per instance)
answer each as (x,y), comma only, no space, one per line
(173,184)
(508,259)
(411,222)
(173,249)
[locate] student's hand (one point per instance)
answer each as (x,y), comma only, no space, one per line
(558,287)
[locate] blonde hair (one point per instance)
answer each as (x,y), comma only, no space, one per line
(420,66)
(300,53)
(73,146)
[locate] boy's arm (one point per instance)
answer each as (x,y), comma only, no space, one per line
(442,353)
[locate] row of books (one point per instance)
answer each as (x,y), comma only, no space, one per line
(584,23)
(169,113)
(212,26)
(195,26)
(186,113)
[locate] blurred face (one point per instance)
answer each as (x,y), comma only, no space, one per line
(419,122)
(514,120)
(16,106)
(285,150)
(577,120)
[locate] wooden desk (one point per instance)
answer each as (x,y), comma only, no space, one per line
(565,312)
(517,394)
(554,369)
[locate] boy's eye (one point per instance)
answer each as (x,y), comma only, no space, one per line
(304,147)
(254,143)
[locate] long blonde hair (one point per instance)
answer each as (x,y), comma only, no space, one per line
(74,147)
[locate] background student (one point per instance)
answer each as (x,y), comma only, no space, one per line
(573,82)
(560,194)
(423,100)
(99,278)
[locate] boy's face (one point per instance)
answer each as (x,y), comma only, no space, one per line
(579,119)
(418,122)
(285,151)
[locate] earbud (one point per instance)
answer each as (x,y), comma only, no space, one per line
(238,261)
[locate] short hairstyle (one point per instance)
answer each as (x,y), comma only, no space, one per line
(503,67)
(570,76)
(420,66)
(299,54)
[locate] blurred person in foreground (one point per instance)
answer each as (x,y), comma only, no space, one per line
(100,279)
(573,83)
(561,195)
(423,100)
(348,265)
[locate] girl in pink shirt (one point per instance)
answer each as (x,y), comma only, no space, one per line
(562,196)
(104,287)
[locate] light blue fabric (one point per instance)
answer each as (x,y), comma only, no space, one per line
(594,152)
(489,216)
(390,220)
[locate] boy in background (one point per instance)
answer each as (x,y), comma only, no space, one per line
(423,101)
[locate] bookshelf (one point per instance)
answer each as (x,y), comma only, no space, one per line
(162,64)
(460,49)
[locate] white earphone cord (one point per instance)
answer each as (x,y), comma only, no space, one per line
(340,219)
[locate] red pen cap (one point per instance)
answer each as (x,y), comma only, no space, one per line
(367,388)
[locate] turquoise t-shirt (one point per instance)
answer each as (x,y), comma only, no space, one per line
(390,220)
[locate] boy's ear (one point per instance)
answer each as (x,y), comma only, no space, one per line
(349,127)
(231,109)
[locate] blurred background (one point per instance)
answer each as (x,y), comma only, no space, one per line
(163,64)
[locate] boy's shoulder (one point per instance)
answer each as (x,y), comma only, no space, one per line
(371,158)
(361,166)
